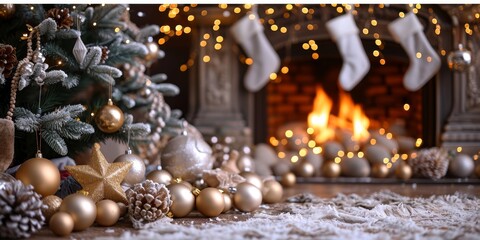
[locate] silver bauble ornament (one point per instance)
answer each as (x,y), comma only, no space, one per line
(79,50)
(355,167)
(461,166)
(375,154)
(331,149)
(186,157)
(460,59)
(137,171)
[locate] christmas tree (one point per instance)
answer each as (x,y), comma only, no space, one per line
(64,62)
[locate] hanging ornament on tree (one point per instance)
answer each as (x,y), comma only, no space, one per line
(81,208)
(7,11)
(109,118)
(137,171)
(79,49)
(41,173)
(460,59)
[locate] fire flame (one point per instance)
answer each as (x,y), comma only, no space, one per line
(350,116)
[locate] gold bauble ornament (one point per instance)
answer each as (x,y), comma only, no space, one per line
(247,198)
(288,179)
(61,223)
(183,199)
(7,11)
(210,202)
(41,173)
(379,170)
(108,213)
(331,169)
(136,174)
(253,178)
(245,163)
(227,200)
(304,169)
(81,208)
(109,118)
(123,208)
(160,176)
(404,171)
(186,157)
(52,204)
(100,178)
(272,191)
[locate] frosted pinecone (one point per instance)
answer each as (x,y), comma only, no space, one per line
(20,211)
(430,163)
(148,201)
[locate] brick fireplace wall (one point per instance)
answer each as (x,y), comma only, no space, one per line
(381,93)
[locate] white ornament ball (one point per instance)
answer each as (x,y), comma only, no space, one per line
(376,153)
(355,167)
(330,150)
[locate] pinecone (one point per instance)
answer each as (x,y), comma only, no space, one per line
(20,211)
(61,16)
(148,201)
(105,53)
(431,163)
(8,59)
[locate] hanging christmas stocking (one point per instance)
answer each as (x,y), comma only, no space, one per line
(344,32)
(248,32)
(424,61)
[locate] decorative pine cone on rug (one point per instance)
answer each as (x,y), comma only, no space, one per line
(430,163)
(148,202)
(61,16)
(20,211)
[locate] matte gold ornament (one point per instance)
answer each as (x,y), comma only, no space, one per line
(272,191)
(123,208)
(227,200)
(136,174)
(52,204)
(461,166)
(253,178)
(61,223)
(403,171)
(331,169)
(160,176)
(109,118)
(183,199)
(108,213)
(379,170)
(247,198)
(100,178)
(7,11)
(288,179)
(304,169)
(210,202)
(186,157)
(81,208)
(41,173)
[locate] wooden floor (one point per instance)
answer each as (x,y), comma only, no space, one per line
(325,190)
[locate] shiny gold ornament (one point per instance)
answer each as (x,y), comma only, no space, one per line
(187,157)
(210,202)
(331,169)
(253,178)
(123,208)
(304,169)
(379,170)
(7,11)
(52,204)
(183,199)
(227,200)
(288,179)
(61,223)
(109,118)
(136,174)
(272,191)
(81,208)
(160,176)
(247,198)
(108,213)
(403,171)
(41,173)
(100,178)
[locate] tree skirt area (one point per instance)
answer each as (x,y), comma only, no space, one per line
(381,215)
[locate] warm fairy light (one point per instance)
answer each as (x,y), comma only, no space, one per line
(389,135)
(274,141)
(401,14)
(418,55)
(283,29)
(315,56)
(165,29)
(237,10)
(382,61)
(311,144)
(365,31)
(294,159)
(386,160)
(373,22)
(273,76)
(117,29)
(317,150)
(340,153)
(94,24)
(288,133)
(298,141)
(186,8)
(289,7)
(477,15)
(406,106)
(32,8)
(310,130)
(404,156)
(187,30)
(314,47)
(418,142)
(443,52)
(206,58)
(206,36)
(305,46)
(161,41)
(302,152)
(381,5)
(459,149)
(274,27)
(203,43)
(204,13)
(339,9)
(284,141)
(350,154)
(269,11)
(378,42)
(310,27)
(413,155)
(127,41)
(190,18)
(217,46)
(216,27)
(389,165)
(217,22)
(281,154)
(337,160)
(247,6)
(249,61)
(59,62)
(183,68)
(223,5)
(415,10)
(92,114)
(360,154)
(381,131)
(219,39)
(475,157)
(376,53)
(284,70)
(434,21)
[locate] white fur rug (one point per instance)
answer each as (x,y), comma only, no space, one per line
(382,215)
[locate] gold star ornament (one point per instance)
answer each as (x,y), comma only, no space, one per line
(101,179)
